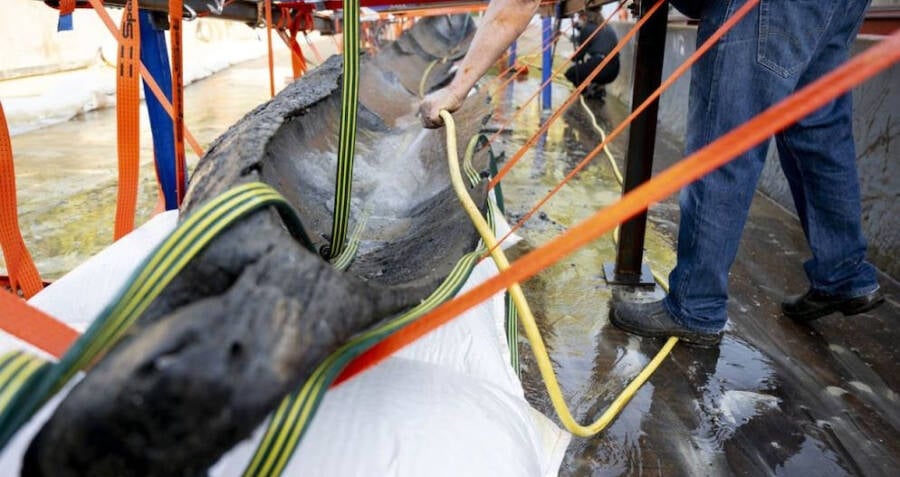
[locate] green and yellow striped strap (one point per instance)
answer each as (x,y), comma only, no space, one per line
(16,367)
(472,174)
(291,419)
(343,261)
(512,315)
(494,170)
(185,242)
(347,142)
(512,332)
(293,416)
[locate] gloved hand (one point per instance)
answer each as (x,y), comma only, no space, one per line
(431,106)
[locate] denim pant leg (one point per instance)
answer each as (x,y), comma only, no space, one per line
(818,156)
(744,74)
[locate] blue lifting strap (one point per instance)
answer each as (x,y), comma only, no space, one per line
(155,57)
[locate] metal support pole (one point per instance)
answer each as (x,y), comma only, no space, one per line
(648,64)
(547,64)
(512,54)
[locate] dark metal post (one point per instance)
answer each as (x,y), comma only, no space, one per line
(648,64)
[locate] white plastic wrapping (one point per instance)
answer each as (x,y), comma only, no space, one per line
(448,404)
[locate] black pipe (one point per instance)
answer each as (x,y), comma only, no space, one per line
(648,64)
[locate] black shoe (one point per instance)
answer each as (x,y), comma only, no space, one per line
(813,305)
(653,320)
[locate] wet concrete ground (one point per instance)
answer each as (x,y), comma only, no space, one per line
(776,398)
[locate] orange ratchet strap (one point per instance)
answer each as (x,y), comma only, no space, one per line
(34,326)
(66,7)
(23,275)
(298,61)
(739,140)
(97,5)
(128,102)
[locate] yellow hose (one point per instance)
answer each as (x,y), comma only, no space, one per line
(528,322)
(425,74)
(663,282)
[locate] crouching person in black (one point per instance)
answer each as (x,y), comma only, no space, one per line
(593,54)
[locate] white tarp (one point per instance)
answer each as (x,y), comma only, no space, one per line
(448,404)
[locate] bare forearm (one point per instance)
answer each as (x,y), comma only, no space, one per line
(503,22)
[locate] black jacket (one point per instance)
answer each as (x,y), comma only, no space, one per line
(600,45)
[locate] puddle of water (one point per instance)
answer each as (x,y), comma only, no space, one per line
(571,297)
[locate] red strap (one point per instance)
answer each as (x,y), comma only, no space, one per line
(34,326)
(23,275)
(800,104)
(176,14)
(128,118)
(66,7)
(298,61)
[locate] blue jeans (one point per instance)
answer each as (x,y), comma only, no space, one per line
(778,48)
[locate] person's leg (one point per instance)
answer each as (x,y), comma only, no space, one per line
(580,71)
(571,73)
(730,85)
(608,74)
(714,209)
(818,156)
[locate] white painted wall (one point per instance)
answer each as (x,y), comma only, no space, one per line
(47,76)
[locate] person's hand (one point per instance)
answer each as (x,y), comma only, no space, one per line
(432,104)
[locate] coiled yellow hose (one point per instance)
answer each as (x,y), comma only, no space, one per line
(528,323)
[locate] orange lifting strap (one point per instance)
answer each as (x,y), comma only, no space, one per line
(23,275)
(66,7)
(34,326)
(97,5)
(128,102)
(298,61)
(739,140)
(288,30)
